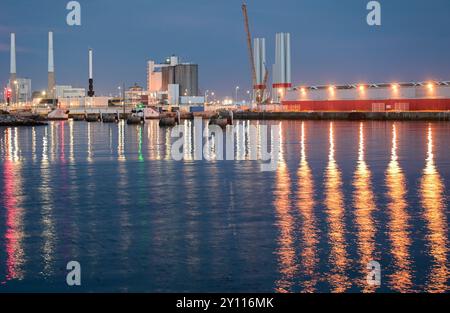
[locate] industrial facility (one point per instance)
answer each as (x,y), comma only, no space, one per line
(18,89)
(18,92)
(173,83)
(416,96)
(363,97)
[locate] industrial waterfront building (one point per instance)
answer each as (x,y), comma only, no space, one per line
(418,96)
(20,90)
(173,83)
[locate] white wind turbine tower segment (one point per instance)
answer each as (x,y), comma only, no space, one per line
(282,68)
(260,61)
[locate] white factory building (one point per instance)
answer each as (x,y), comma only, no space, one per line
(21,90)
(67,91)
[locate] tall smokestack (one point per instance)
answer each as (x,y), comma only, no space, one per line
(51,66)
(13,54)
(91,91)
(13,70)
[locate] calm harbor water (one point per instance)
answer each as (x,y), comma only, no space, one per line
(110,197)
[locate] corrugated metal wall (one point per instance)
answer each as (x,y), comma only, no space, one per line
(368,105)
(437,92)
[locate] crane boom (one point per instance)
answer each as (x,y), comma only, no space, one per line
(249,44)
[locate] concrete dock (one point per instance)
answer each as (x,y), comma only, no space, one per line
(349,116)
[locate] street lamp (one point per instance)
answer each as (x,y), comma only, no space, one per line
(206,96)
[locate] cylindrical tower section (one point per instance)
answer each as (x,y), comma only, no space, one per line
(288,61)
(276,71)
(257,60)
(91,91)
(260,68)
(13,69)
(91,74)
(51,67)
(260,62)
(51,64)
(282,68)
(282,59)
(263,62)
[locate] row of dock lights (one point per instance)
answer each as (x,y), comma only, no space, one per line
(362,88)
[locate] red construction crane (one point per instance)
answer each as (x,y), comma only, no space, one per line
(249,44)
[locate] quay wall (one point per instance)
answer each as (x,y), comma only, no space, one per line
(376,116)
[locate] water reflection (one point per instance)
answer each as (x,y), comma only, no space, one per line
(140,131)
(285,222)
(433,201)
(309,232)
(46,206)
(398,226)
(89,143)
(148,218)
(14,234)
(33,144)
(364,205)
(62,155)
(334,202)
(121,141)
(71,143)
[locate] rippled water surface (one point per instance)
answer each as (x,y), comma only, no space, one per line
(111,198)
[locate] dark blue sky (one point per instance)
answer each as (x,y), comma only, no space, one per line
(331,41)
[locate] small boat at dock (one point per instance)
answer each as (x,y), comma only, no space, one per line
(58,115)
(222,119)
(92,118)
(110,117)
(170,121)
(136,117)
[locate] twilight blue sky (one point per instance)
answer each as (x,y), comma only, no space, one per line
(331,41)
